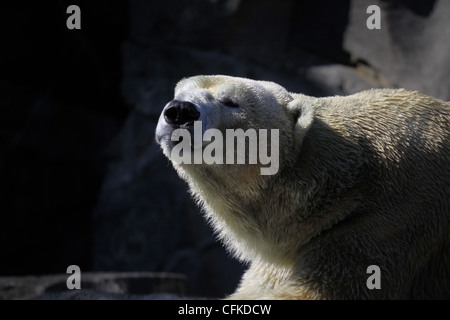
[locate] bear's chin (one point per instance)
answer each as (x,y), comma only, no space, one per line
(221,175)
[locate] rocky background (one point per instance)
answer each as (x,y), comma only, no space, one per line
(82,181)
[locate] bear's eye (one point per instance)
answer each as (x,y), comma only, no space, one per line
(230,103)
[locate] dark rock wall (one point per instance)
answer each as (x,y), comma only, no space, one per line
(82,181)
(60,107)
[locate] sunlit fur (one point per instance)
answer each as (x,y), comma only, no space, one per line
(363,180)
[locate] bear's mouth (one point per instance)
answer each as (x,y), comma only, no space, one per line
(164,135)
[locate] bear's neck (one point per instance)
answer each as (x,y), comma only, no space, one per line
(248,212)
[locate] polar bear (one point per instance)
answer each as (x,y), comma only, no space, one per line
(363,181)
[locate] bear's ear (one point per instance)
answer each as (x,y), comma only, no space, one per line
(302,110)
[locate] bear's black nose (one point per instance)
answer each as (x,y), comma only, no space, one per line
(181,112)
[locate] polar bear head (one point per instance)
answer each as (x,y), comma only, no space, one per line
(228,103)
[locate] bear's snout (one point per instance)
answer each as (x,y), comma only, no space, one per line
(181,113)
